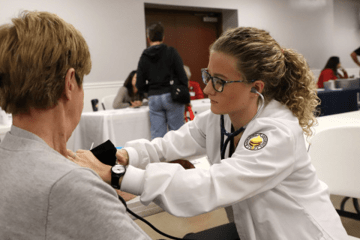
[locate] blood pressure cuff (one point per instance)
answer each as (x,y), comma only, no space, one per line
(106,153)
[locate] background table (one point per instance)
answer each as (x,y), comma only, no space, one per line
(349,83)
(338,101)
(120,125)
(200,105)
(3,130)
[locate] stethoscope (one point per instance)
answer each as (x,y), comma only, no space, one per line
(230,136)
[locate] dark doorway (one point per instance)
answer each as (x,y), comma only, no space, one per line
(190,32)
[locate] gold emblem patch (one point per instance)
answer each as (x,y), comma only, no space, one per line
(256,141)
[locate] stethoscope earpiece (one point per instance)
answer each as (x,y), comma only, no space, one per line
(253,90)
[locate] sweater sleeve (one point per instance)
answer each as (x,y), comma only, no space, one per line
(120,99)
(82,206)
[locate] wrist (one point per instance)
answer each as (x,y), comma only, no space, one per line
(117,172)
(120,180)
(106,174)
(122,157)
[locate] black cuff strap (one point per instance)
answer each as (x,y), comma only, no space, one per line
(106,153)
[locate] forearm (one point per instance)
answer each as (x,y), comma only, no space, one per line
(355,58)
(345,75)
(174,145)
(117,105)
(119,101)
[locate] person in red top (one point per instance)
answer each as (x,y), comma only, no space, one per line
(194,87)
(195,90)
(195,93)
(330,71)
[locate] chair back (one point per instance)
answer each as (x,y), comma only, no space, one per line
(107,102)
(335,154)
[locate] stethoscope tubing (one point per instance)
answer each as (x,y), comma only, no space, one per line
(231,136)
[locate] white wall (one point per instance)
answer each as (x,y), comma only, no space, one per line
(346,37)
(115,30)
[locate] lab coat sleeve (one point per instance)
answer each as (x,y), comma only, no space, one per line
(189,140)
(191,192)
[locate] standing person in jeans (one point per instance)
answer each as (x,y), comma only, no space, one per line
(158,66)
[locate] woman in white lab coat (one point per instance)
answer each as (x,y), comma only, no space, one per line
(262,102)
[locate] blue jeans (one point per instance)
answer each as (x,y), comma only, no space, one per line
(164,114)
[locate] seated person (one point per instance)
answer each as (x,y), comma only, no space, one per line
(128,95)
(330,71)
(195,93)
(44,195)
(194,87)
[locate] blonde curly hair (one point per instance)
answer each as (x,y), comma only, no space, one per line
(286,74)
(36,51)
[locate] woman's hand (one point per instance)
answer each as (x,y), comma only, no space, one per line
(122,157)
(136,103)
(86,158)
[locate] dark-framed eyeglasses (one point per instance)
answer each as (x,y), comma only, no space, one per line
(217,83)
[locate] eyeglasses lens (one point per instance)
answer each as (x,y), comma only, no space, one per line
(216,83)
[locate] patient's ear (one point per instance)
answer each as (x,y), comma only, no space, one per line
(259,86)
(70,80)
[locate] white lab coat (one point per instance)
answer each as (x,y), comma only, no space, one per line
(274,191)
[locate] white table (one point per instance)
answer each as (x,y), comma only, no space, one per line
(120,125)
(3,130)
(200,105)
(5,123)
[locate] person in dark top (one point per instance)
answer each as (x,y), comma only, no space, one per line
(354,55)
(158,67)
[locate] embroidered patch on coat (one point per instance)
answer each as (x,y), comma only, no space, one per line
(256,141)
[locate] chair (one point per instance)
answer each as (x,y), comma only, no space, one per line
(227,231)
(107,102)
(335,155)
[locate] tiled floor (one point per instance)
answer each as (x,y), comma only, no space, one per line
(351,226)
(179,227)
